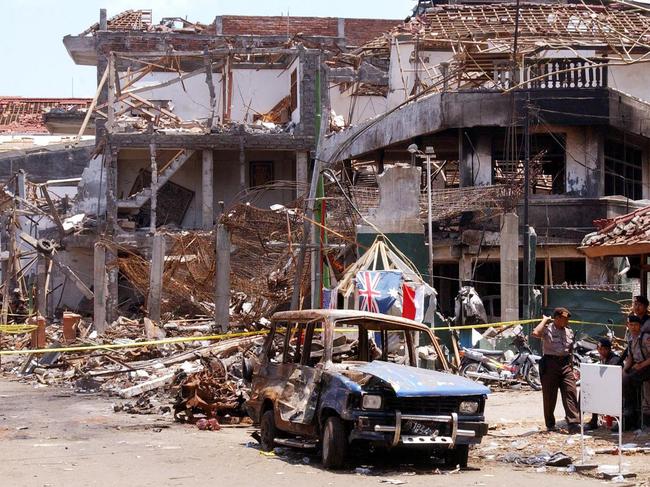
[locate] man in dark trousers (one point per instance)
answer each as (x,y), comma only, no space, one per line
(556,368)
(636,369)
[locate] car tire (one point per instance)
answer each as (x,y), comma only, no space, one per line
(268,431)
(334,443)
(457,457)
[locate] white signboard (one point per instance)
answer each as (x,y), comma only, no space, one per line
(601,389)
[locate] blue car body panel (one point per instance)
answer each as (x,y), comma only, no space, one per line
(409,381)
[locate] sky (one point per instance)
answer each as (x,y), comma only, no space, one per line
(36,63)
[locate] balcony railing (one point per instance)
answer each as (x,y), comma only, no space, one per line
(565,73)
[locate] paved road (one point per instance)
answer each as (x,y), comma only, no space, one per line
(50,437)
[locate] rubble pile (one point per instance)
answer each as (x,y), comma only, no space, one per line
(194,378)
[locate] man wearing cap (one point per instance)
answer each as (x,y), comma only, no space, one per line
(607,357)
(556,368)
(640,309)
(636,369)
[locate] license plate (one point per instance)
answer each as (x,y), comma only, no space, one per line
(419,429)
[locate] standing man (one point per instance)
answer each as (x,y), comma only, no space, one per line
(556,368)
(640,309)
(636,369)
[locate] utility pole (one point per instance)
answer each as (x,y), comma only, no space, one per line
(429,154)
(526,227)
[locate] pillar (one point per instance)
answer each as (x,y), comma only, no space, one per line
(601,270)
(156,276)
(242,165)
(509,260)
(465,266)
(302,172)
(38,336)
(100,284)
(103,20)
(207,207)
(222,278)
(70,322)
(43,285)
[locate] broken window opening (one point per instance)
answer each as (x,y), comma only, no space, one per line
(623,170)
(173,201)
(548,163)
(261,173)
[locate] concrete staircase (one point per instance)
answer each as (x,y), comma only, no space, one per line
(138,199)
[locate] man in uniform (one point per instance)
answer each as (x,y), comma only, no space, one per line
(636,369)
(556,368)
(640,309)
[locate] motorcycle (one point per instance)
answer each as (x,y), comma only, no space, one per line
(493,366)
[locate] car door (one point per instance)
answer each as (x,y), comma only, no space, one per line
(299,398)
(271,376)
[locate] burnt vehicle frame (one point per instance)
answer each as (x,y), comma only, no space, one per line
(302,397)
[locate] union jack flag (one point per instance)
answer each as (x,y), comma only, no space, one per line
(378,290)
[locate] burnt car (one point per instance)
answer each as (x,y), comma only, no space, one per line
(333,378)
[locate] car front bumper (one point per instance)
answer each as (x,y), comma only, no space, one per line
(394,431)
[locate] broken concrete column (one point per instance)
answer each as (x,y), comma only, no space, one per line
(38,337)
(156,276)
(70,322)
(207,207)
(222,278)
(399,201)
(465,267)
(601,270)
(100,288)
(43,284)
(509,260)
(302,172)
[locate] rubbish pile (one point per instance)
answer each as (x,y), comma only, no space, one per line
(192,377)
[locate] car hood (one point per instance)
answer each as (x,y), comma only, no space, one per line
(409,381)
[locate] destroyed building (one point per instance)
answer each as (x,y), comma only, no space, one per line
(475,83)
(190,119)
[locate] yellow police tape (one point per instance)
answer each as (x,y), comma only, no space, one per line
(17,329)
(114,346)
(514,322)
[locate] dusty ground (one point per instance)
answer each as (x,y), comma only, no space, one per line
(51,437)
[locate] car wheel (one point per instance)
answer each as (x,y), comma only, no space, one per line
(334,444)
(268,431)
(457,457)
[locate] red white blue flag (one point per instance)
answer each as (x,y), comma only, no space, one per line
(378,290)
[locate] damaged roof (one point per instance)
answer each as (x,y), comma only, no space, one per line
(20,115)
(624,235)
(127,20)
(547,22)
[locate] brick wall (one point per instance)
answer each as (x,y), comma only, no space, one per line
(357,31)
(315,26)
(360,31)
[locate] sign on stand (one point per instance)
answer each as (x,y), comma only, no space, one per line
(601,392)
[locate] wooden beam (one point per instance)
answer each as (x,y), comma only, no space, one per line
(53,212)
(93,103)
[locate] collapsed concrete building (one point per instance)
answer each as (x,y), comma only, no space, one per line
(189,117)
(475,83)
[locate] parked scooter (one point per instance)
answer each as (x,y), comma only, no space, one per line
(493,366)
